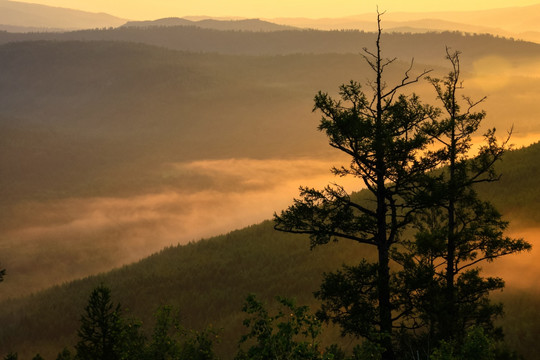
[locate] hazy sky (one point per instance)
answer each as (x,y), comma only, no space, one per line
(151,9)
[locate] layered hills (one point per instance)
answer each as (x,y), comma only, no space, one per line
(116,149)
(519,22)
(117,143)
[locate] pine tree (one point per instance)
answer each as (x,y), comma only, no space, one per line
(383,136)
(65,354)
(101,331)
(460,230)
(2,274)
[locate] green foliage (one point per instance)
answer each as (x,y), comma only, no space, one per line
(171,341)
(37,357)
(368,350)
(476,345)
(164,343)
(349,299)
(65,354)
(290,334)
(199,345)
(11,356)
(103,333)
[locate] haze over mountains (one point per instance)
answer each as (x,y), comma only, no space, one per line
(26,17)
(518,22)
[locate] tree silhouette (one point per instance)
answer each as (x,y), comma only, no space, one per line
(460,230)
(101,331)
(384,137)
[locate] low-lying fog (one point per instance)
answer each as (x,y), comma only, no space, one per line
(66,239)
(63,240)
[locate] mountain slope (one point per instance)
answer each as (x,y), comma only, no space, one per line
(519,22)
(209,279)
(34,16)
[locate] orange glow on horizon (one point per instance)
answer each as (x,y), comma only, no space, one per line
(146,9)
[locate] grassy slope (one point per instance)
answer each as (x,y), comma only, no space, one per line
(208,280)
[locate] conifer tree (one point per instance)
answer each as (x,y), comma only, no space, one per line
(382,133)
(65,354)
(101,331)
(460,230)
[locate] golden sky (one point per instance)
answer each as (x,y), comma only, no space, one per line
(152,9)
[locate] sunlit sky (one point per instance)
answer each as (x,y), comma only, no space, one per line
(151,9)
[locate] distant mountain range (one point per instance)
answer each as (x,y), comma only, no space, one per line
(518,22)
(26,17)
(242,25)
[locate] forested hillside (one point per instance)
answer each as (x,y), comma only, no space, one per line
(425,48)
(208,280)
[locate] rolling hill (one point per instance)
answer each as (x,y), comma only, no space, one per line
(209,279)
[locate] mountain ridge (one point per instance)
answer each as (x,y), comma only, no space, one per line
(24,15)
(227,25)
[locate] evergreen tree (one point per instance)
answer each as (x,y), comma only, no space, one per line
(459,230)
(165,344)
(2,274)
(65,354)
(200,345)
(383,134)
(290,334)
(102,330)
